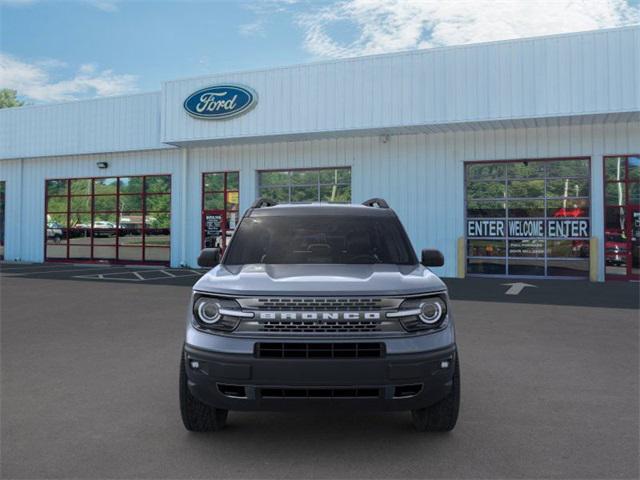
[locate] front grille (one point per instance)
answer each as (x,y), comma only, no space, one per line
(319,350)
(320,326)
(319,304)
(336,392)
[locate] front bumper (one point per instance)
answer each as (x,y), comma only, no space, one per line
(396,381)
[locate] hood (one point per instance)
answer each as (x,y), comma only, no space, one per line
(338,280)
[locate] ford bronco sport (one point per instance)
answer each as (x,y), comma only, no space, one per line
(319,305)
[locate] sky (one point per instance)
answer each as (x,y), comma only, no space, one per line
(55,50)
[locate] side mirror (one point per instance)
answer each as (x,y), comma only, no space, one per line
(209,257)
(432,258)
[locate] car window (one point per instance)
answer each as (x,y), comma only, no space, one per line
(343,239)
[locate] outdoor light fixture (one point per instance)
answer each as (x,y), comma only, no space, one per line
(102,164)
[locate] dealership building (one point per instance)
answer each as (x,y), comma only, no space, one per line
(517,158)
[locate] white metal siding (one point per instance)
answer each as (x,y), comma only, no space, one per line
(558,76)
(112,124)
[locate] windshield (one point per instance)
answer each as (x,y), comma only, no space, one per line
(342,239)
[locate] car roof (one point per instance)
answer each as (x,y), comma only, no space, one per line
(329,209)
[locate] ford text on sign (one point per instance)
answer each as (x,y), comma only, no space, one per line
(220,102)
(525,228)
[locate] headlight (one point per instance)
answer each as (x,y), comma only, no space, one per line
(213,313)
(208,310)
(431,311)
(421,313)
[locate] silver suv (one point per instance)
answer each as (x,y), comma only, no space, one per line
(320,306)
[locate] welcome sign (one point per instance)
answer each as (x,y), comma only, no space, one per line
(528,228)
(220,102)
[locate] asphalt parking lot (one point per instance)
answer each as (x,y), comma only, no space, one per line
(89,388)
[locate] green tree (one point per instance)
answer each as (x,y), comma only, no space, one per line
(8,98)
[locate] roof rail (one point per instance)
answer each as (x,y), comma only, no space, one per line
(263,202)
(376,202)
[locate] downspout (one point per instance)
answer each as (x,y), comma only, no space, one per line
(183,207)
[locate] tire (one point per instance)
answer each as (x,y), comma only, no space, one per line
(442,416)
(198,416)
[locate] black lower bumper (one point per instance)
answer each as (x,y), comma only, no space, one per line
(393,382)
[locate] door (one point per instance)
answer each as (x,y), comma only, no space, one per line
(220,195)
(622,217)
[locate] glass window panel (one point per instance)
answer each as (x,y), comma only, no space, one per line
(525,188)
(335,193)
(103,236)
(132,254)
(105,186)
(158,184)
(233,180)
(104,220)
(56,233)
(304,177)
(80,236)
(56,187)
(273,178)
(158,220)
(525,208)
(335,175)
(232,200)
(486,190)
(565,268)
(57,219)
(214,201)
(156,254)
(80,252)
(485,209)
(634,193)
(568,188)
(528,169)
(615,193)
(232,220)
(614,218)
(56,250)
(57,204)
(526,248)
(486,248)
(571,208)
(486,266)
(279,194)
(157,238)
(568,248)
(158,203)
(568,168)
(80,220)
(304,194)
(130,237)
(486,171)
(81,186)
(81,204)
(104,252)
(130,185)
(614,168)
(521,266)
(213,182)
(634,168)
(130,203)
(105,203)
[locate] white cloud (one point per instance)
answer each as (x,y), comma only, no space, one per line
(390,25)
(35,82)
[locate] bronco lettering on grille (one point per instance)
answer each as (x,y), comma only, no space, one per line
(319,316)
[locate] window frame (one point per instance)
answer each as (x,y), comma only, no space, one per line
(318,184)
(506,199)
(144,247)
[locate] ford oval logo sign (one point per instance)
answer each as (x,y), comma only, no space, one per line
(220,102)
